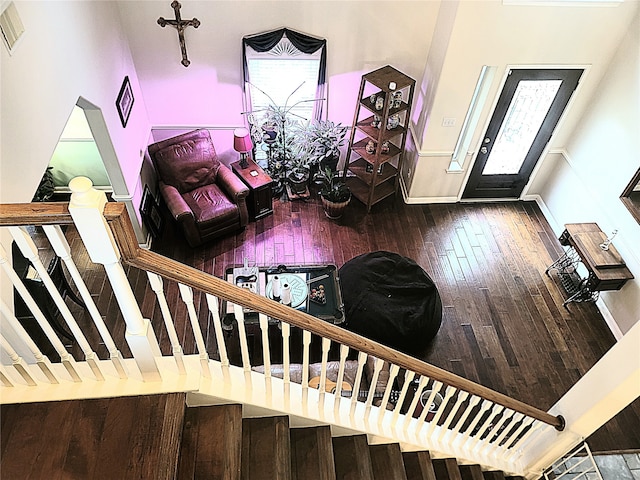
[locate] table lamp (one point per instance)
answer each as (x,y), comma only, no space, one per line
(242,143)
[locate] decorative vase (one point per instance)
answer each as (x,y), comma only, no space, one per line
(334,210)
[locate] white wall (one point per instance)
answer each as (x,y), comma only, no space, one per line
(69,50)
(361,36)
(584,183)
(490,33)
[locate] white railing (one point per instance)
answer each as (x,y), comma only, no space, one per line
(578,464)
(472,423)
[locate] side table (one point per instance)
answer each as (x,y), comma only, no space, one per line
(259,201)
(606,268)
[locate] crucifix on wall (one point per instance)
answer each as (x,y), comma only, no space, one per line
(180,26)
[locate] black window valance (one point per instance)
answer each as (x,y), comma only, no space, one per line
(266,41)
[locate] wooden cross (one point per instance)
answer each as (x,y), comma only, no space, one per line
(180,26)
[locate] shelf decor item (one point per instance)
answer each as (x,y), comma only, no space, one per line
(379,135)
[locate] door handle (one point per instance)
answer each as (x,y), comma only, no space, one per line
(484,150)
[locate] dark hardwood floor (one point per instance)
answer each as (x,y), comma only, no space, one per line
(503,321)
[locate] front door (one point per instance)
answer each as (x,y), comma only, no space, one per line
(526,115)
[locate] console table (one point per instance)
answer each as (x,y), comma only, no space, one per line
(606,270)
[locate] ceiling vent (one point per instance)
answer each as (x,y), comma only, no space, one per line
(11,26)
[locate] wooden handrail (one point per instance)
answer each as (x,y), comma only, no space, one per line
(118,218)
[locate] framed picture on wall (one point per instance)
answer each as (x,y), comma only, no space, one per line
(151,215)
(124,103)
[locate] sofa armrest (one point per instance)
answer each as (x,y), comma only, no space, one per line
(231,184)
(175,203)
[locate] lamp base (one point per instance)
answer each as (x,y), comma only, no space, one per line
(243,161)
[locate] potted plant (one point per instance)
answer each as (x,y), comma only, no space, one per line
(298,174)
(323,140)
(46,188)
(334,192)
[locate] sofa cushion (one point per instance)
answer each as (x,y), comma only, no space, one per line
(210,205)
(188,162)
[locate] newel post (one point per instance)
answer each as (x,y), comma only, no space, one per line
(86,208)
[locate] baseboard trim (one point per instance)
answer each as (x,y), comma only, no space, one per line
(611,322)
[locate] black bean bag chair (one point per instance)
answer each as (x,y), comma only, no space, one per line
(390,299)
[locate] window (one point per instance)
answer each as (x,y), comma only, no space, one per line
(283,68)
(283,76)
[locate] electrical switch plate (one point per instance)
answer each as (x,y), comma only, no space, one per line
(448,122)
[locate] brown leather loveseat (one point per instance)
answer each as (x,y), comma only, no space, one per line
(202,194)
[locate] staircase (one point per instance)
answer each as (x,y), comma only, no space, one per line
(158,437)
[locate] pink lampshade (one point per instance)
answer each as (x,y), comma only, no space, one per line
(242,140)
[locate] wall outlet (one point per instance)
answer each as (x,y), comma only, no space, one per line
(448,122)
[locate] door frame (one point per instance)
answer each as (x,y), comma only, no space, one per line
(480,131)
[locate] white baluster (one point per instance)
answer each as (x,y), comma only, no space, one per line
(362,359)
(30,251)
(469,432)
(187,297)
(67,360)
(431,424)
(155,281)
(43,362)
(344,352)
(526,422)
(326,345)
(494,430)
(213,304)
(472,403)
(242,334)
(393,373)
(515,418)
(86,209)
(462,396)
(408,378)
(372,386)
(518,448)
(422,384)
(306,342)
(286,361)
(4,377)
(487,424)
(61,247)
(17,362)
(266,354)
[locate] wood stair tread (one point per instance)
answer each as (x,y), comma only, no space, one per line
(266,448)
(493,475)
(312,454)
(156,436)
(352,458)
(387,463)
(418,466)
(447,469)
(471,472)
(128,437)
(205,453)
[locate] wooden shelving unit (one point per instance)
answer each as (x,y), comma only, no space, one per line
(373,176)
